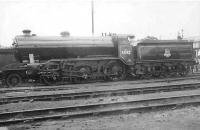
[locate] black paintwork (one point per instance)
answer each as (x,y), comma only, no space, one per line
(155,50)
(64,52)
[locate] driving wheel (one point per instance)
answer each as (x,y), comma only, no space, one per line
(115,71)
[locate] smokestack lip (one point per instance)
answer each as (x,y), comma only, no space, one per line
(65,34)
(26,32)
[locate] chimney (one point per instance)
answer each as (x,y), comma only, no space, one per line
(26,32)
(65,34)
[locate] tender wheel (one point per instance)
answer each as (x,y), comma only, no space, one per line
(13,80)
(164,72)
(182,71)
(115,71)
(147,76)
(77,80)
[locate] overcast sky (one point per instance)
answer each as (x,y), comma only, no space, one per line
(162,19)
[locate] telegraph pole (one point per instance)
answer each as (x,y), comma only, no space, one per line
(92,4)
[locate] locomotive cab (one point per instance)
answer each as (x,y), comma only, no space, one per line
(126,50)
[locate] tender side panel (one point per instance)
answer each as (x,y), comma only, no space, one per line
(165,51)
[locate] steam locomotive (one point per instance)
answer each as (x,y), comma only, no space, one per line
(53,60)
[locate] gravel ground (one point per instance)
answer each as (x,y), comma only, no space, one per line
(113,99)
(177,119)
(186,119)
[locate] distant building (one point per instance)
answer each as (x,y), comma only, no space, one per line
(196,46)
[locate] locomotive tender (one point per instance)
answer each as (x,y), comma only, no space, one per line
(52,60)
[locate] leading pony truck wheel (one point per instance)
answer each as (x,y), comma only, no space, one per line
(13,80)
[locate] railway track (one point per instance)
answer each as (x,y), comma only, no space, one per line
(75,86)
(140,103)
(101,93)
